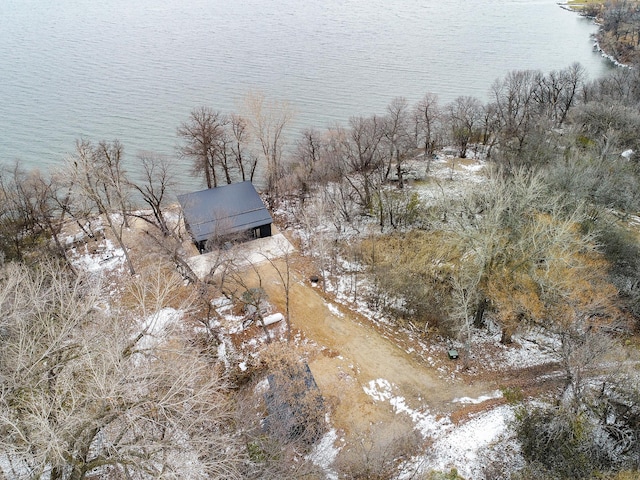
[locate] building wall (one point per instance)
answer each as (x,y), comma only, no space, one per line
(265,231)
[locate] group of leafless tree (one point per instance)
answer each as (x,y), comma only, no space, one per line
(225,148)
(542,243)
(90,392)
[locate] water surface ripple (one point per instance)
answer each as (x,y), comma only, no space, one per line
(134,70)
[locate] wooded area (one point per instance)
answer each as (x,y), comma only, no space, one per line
(546,239)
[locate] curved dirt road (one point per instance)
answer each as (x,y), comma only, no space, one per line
(355,354)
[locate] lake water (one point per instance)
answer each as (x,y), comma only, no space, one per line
(133,70)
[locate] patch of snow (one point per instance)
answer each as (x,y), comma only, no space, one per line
(529,354)
(222,354)
(234,323)
(462,446)
(71,239)
(262,386)
(14,466)
(379,389)
(224,306)
(426,423)
(159,322)
(273,318)
(222,303)
(529,348)
(325,452)
(334,310)
(482,398)
(109,258)
(156,327)
(476,167)
(634,220)
(171,217)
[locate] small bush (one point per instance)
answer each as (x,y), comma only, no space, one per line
(512,395)
(379,453)
(451,475)
(559,443)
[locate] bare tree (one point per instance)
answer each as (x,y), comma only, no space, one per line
(558,92)
(201,135)
(96,175)
(465,292)
(608,127)
(427,117)
(515,99)
(30,215)
(396,208)
(362,146)
(307,157)
(170,249)
(397,136)
(247,291)
(110,155)
(284,273)
(88,393)
(158,181)
(463,116)
(268,120)
(240,138)
(319,243)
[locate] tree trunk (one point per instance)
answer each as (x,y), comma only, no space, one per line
(207,175)
(117,233)
(399,172)
(262,324)
(507,337)
(478,318)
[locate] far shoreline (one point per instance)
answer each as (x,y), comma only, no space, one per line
(575,6)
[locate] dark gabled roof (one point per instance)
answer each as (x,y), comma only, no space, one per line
(223,210)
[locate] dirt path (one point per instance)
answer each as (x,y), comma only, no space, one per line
(355,354)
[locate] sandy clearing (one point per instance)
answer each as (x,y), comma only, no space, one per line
(354,354)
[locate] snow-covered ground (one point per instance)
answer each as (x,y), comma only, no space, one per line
(108,257)
(254,252)
(465,447)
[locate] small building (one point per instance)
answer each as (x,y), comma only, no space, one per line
(226,213)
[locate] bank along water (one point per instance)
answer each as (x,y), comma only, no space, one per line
(134,71)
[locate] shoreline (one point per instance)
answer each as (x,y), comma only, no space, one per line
(596,44)
(611,58)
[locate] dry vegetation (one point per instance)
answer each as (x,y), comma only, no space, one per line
(503,231)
